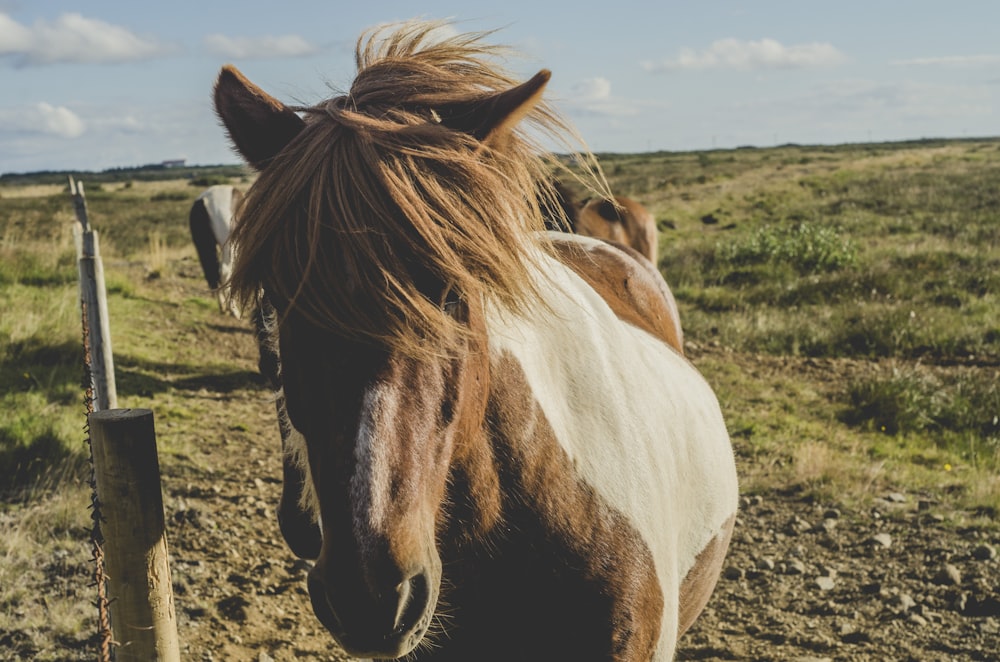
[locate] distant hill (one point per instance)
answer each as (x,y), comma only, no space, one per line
(141,173)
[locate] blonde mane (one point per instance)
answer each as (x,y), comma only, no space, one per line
(376,198)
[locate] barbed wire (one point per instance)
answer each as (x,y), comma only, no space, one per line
(104,633)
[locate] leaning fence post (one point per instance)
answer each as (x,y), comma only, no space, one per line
(127,474)
(94,304)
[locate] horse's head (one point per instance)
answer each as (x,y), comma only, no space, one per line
(621,219)
(379,225)
(382,429)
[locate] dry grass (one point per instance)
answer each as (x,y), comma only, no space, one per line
(45,543)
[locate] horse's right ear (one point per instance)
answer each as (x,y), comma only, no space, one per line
(258,124)
(491,119)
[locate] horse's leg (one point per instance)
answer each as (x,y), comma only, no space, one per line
(300,531)
(226,304)
(298,528)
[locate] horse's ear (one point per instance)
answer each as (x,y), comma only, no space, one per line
(491,119)
(258,124)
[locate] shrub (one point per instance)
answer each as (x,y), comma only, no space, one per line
(209,180)
(915,400)
(807,247)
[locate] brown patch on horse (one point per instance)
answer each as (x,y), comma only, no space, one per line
(629,284)
(697,587)
(593,581)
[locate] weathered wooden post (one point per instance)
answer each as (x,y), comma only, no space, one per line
(127,476)
(94,304)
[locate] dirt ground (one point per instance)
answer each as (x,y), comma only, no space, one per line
(803,581)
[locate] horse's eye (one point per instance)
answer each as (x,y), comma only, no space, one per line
(451,301)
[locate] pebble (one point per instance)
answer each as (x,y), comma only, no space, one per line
(984,553)
(796,525)
(826,570)
(824,583)
(903,602)
(795,567)
(989,626)
(883,540)
(949,575)
(733,573)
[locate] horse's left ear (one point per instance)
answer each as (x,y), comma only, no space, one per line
(259,125)
(491,119)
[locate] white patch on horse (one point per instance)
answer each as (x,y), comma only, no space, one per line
(640,424)
(370,490)
(218,201)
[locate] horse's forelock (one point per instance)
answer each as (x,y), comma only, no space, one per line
(375,192)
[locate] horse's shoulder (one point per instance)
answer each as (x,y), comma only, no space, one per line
(626,281)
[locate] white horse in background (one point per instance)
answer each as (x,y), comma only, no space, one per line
(211,219)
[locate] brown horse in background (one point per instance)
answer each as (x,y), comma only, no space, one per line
(622,220)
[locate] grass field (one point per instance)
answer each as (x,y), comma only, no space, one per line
(844,302)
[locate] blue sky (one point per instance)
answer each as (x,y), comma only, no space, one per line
(117,83)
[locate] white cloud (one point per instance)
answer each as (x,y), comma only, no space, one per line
(748,55)
(950,60)
(73,38)
(593,97)
(239,48)
(592,89)
(42,118)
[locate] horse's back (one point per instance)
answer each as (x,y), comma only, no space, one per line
(641,425)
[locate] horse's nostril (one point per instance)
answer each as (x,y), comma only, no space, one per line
(403,595)
(412,596)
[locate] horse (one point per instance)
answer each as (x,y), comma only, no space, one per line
(210,221)
(618,218)
(494,448)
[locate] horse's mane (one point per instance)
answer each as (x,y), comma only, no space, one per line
(376,204)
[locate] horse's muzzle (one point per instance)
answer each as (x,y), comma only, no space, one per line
(387,625)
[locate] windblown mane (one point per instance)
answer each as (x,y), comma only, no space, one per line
(376,205)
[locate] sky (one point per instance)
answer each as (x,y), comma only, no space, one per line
(119,83)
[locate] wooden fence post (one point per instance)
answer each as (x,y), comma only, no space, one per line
(94,304)
(127,475)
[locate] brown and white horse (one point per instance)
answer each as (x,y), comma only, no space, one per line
(210,221)
(495,449)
